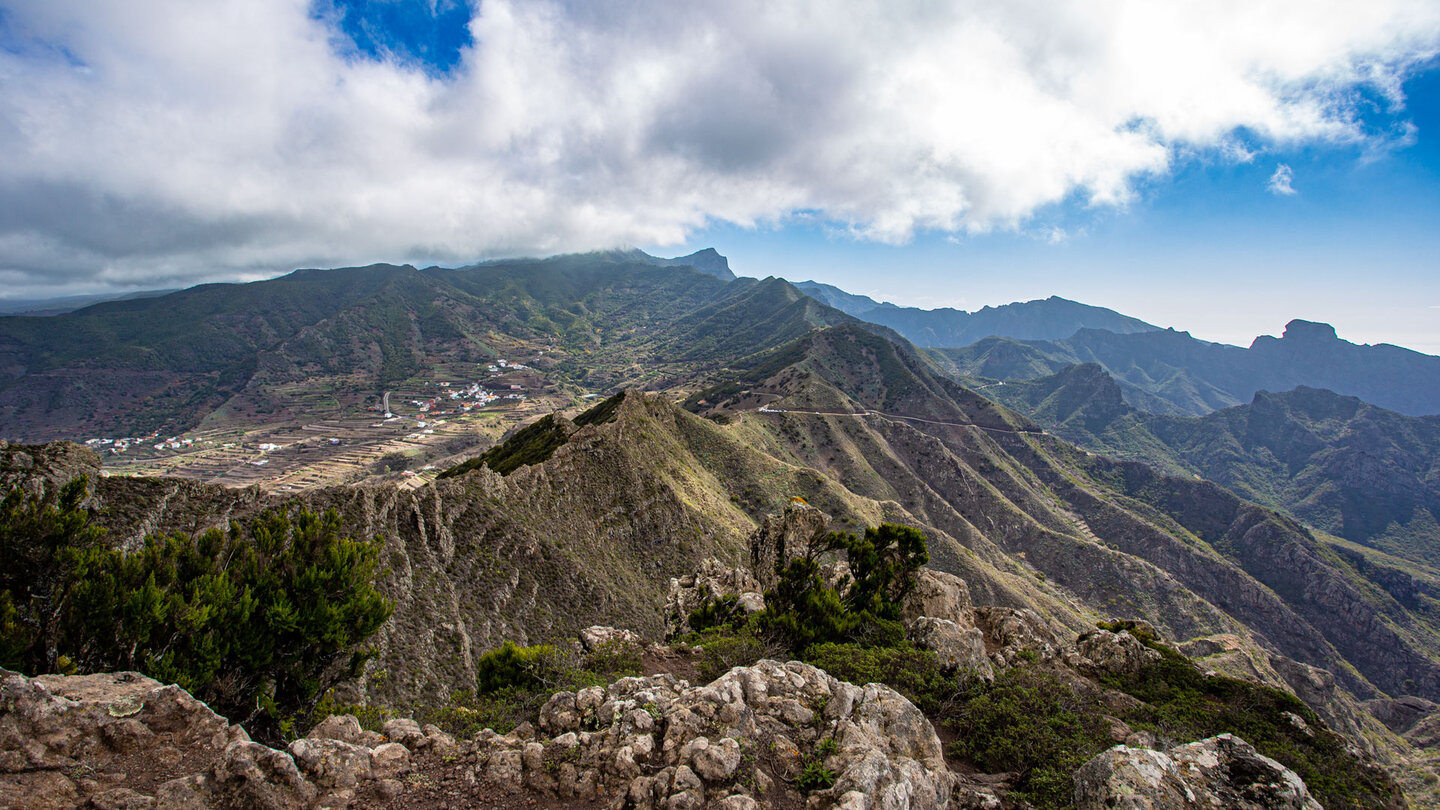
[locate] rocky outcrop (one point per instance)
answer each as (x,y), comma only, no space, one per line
(756,736)
(1016,634)
(1219,772)
(39,468)
(783,537)
(714,580)
(751,735)
(1102,652)
(960,649)
(122,740)
(940,595)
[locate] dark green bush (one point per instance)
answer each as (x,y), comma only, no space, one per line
(805,610)
(913,672)
(38,538)
(258,622)
(720,651)
(511,666)
(1032,722)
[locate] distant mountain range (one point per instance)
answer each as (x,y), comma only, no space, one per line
(1052,318)
(68,303)
(1171,372)
(1355,470)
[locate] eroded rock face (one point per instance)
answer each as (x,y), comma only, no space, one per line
(1101,652)
(1016,633)
(961,650)
(660,742)
(783,537)
(712,581)
(1219,772)
(122,740)
(940,595)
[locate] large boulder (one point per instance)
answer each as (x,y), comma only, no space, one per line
(1015,634)
(1219,772)
(960,649)
(1102,652)
(122,740)
(940,595)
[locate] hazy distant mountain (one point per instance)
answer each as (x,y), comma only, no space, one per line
(1172,372)
(68,303)
(1360,472)
(1049,319)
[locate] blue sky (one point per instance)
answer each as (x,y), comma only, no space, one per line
(1216,167)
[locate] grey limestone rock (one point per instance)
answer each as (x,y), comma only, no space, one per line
(1218,772)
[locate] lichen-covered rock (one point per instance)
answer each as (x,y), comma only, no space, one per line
(960,650)
(596,636)
(66,741)
(332,763)
(938,594)
(782,538)
(660,742)
(1015,632)
(404,731)
(345,728)
(1101,652)
(1219,772)
(713,580)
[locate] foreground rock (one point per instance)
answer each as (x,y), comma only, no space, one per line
(1219,772)
(771,734)
(747,739)
(122,740)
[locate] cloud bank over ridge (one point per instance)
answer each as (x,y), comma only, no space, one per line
(159,142)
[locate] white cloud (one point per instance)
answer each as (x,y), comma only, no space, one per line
(160,140)
(1280,181)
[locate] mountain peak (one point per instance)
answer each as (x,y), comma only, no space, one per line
(1309,332)
(708,261)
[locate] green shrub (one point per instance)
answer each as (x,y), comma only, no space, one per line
(38,538)
(511,666)
(721,611)
(815,777)
(805,610)
(258,622)
(915,673)
(720,651)
(1032,722)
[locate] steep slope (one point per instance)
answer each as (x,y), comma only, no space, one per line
(1171,372)
(1051,318)
(1185,554)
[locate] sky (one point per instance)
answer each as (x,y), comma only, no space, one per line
(1220,166)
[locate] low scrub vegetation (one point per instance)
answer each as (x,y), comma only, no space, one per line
(258,621)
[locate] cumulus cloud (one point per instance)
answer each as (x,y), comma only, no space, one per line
(1280,182)
(161,140)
